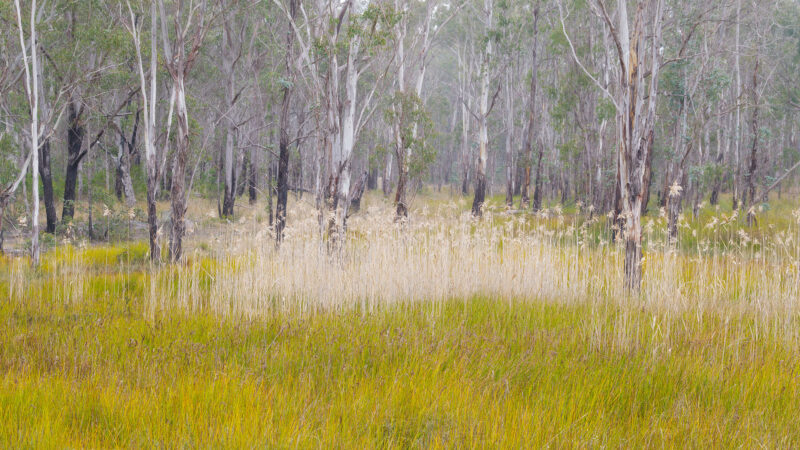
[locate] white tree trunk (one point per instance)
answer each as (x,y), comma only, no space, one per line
(32,91)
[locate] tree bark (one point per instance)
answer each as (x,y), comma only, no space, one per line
(536,203)
(530,135)
(509,143)
(47,186)
(750,176)
(283,138)
(178,191)
(229,59)
(75,154)
(483,132)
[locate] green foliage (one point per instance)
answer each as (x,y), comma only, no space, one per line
(416,130)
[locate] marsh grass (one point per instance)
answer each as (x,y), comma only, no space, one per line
(439,332)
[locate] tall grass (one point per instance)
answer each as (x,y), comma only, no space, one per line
(439,332)
(444,254)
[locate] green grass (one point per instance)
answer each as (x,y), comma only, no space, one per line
(465,373)
(87,361)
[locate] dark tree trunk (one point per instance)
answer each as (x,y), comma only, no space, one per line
(400,199)
(536,203)
(465,182)
(3,204)
(241,180)
(673,213)
(229,196)
(283,180)
(47,185)
(749,195)
(75,154)
(357,193)
(283,138)
(530,135)
(372,180)
(152,217)
(480,195)
(251,182)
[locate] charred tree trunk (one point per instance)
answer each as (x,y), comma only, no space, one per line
(536,204)
(75,154)
(47,185)
(252,180)
(400,199)
(283,138)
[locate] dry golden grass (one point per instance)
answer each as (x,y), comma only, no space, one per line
(441,332)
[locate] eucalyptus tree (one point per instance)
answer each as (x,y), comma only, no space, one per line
(181,49)
(638,47)
(329,32)
(283,146)
(233,30)
(31,66)
(408,110)
(487,71)
(149,96)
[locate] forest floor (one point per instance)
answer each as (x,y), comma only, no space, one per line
(442,332)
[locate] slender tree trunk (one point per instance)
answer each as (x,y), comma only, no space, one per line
(126,148)
(750,176)
(283,138)
(252,178)
(387,174)
(228,61)
(530,135)
(47,186)
(738,132)
(483,131)
(509,143)
(32,91)
(75,154)
(178,191)
(536,203)
(674,195)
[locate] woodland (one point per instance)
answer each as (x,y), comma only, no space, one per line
(399,223)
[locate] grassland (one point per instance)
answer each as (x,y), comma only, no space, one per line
(512,332)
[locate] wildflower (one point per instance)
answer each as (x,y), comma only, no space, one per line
(106,211)
(131,214)
(675,190)
(743,235)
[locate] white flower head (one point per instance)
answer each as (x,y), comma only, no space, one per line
(675,190)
